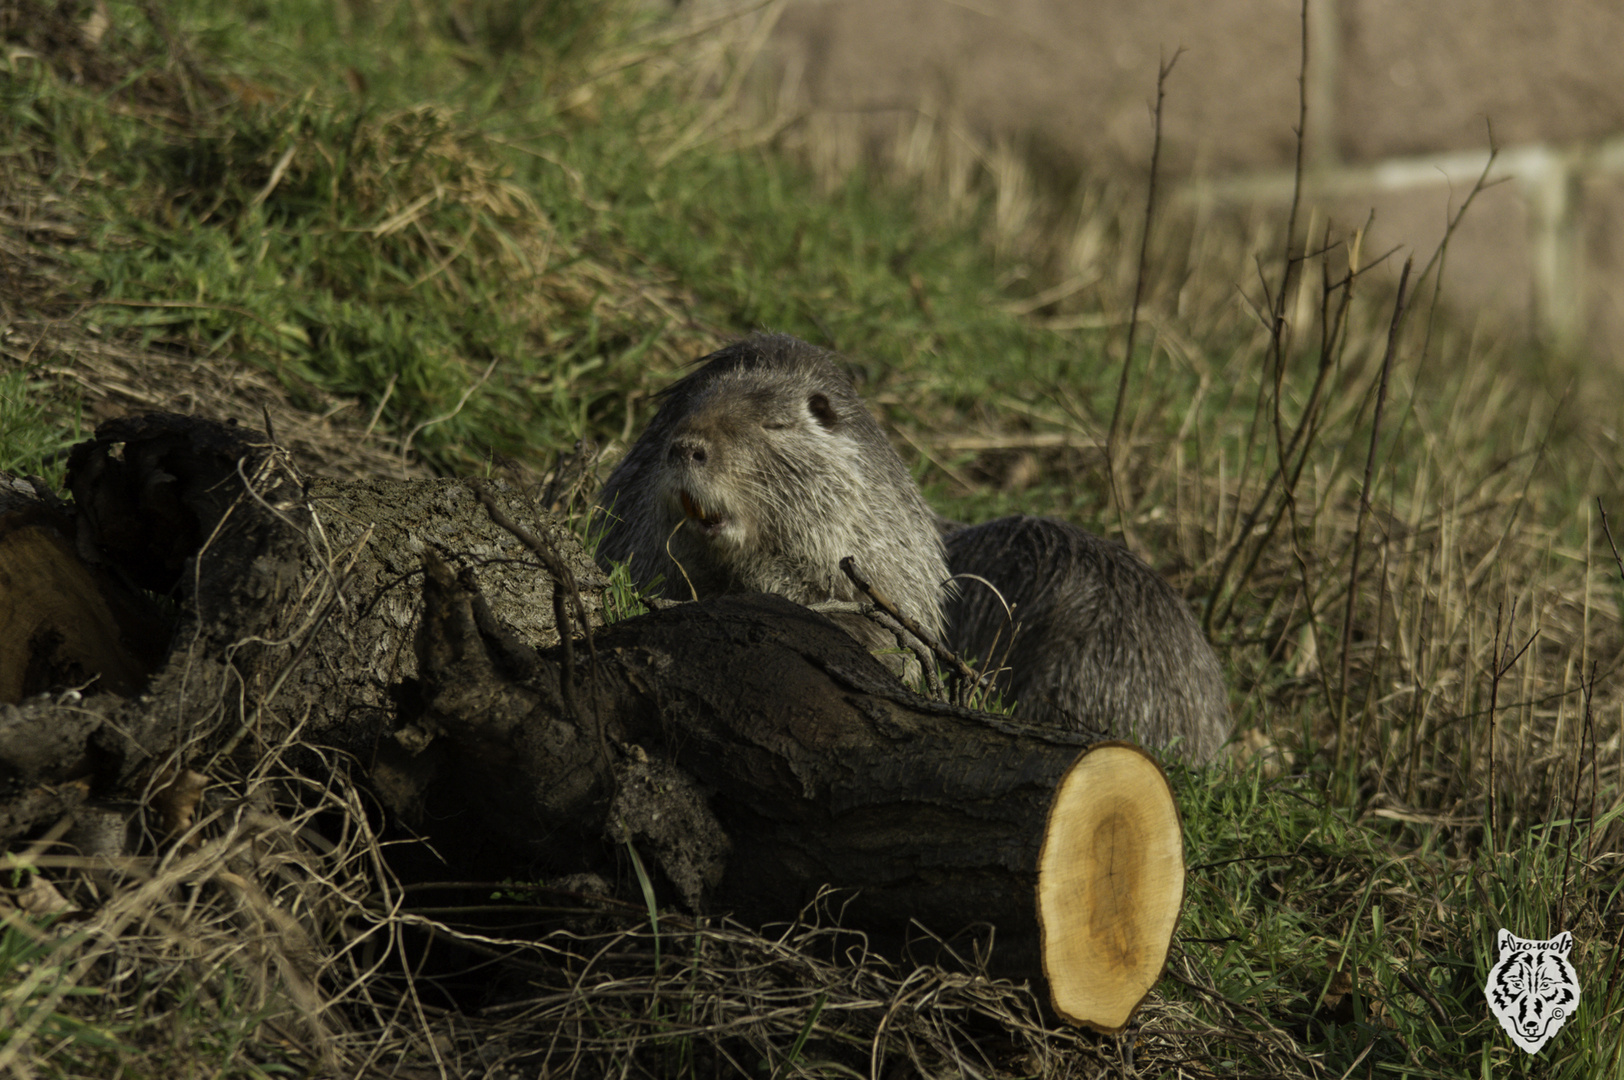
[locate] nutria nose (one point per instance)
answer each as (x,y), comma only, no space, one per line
(688,450)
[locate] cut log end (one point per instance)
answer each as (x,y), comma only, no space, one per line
(1110,885)
(61,623)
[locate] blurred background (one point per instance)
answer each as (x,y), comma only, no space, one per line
(1400,100)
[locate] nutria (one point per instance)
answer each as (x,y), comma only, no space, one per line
(1102,643)
(761,470)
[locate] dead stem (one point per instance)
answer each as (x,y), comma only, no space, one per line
(1112,440)
(1397,322)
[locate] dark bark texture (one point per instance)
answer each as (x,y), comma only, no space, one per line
(747,747)
(812,761)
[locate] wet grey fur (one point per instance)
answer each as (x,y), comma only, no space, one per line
(1103,645)
(789,473)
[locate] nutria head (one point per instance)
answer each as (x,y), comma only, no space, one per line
(761,470)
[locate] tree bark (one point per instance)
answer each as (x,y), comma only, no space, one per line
(747,745)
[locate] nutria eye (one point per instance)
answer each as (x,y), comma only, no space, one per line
(823,412)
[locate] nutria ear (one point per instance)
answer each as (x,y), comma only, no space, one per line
(822,411)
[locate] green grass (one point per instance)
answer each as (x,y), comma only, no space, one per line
(1286,889)
(34,433)
(40,998)
(455,230)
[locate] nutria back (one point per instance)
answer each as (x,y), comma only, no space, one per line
(1103,644)
(761,470)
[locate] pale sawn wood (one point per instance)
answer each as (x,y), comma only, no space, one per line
(1110,885)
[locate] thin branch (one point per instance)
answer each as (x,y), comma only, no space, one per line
(1364,501)
(1111,441)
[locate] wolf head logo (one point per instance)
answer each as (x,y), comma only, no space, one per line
(1532,988)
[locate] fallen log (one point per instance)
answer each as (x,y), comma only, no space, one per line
(746,745)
